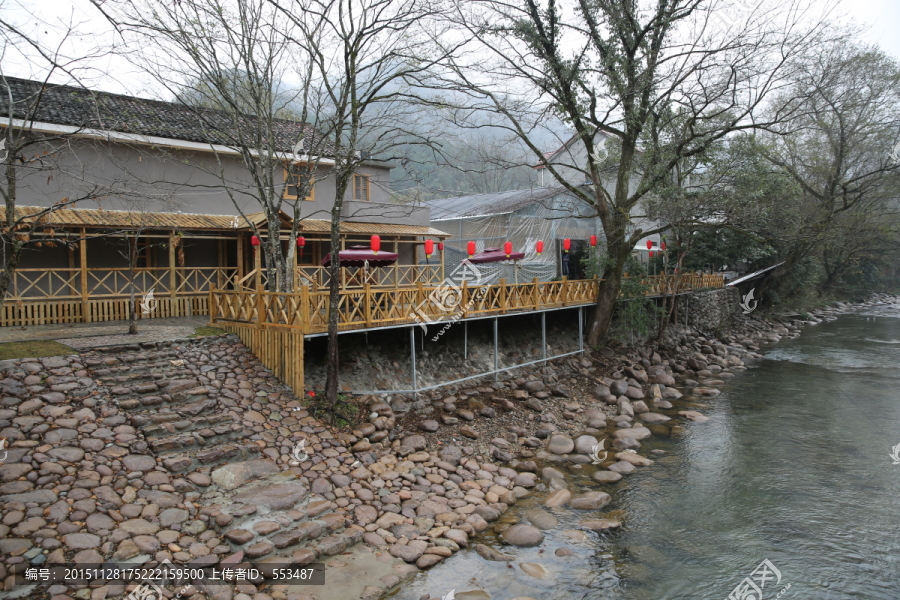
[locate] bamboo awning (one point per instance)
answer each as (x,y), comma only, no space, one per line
(123,219)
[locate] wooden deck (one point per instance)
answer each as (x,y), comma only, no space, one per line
(371,307)
(275,325)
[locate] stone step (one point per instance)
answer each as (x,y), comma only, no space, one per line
(209,438)
(210,457)
(136,375)
(189,406)
(167,422)
(293,536)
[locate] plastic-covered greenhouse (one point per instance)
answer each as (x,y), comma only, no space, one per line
(523,217)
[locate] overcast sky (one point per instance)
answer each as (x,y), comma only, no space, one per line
(882,17)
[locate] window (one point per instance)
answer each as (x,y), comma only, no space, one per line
(292,174)
(361,187)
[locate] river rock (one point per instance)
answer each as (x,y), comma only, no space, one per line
(651,417)
(584,444)
(622,466)
(693,415)
(625,407)
(558,498)
(488,553)
(618,387)
(522,535)
(634,393)
(590,501)
(560,444)
(534,570)
(638,433)
(606,476)
(639,407)
(635,459)
(541,519)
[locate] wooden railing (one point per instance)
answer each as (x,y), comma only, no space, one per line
(307,311)
(37,284)
(394,276)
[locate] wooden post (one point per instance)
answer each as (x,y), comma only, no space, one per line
(368,304)
(212,304)
(240,258)
(257,265)
(503,295)
(173,281)
(420,293)
(443,268)
(535,292)
(260,305)
(304,309)
(294,271)
(82,256)
(564,292)
(464,298)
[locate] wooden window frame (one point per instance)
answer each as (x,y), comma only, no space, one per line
(287,184)
(368,180)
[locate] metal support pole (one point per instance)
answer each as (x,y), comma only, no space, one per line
(412,359)
(465,340)
(544,336)
(496,357)
(581,328)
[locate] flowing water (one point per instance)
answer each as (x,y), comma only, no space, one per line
(794,467)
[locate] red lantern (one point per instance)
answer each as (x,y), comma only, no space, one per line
(507,248)
(649,245)
(593,240)
(663,246)
(567,244)
(429,247)
(651,255)
(539,246)
(440,246)
(375,243)
(301,242)
(254,241)
(471,248)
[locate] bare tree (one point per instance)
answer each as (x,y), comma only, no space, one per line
(657,77)
(235,67)
(364,52)
(27,152)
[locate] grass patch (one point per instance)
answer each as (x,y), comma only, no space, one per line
(344,414)
(36,349)
(207,331)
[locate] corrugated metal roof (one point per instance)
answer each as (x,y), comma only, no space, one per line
(496,203)
(122,219)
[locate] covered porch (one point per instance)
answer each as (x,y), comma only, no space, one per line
(89,262)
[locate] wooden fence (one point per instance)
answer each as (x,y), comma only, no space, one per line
(306,312)
(45,296)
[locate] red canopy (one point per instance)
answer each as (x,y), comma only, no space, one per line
(495,255)
(356,256)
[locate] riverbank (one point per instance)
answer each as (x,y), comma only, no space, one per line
(135,454)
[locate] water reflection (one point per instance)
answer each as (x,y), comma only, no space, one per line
(792,467)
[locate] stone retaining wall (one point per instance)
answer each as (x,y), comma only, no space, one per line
(711,310)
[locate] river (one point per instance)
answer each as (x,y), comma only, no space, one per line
(793,468)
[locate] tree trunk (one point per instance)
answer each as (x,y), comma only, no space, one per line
(607,295)
(334,296)
(9,268)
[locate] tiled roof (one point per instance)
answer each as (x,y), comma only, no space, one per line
(121,219)
(79,107)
